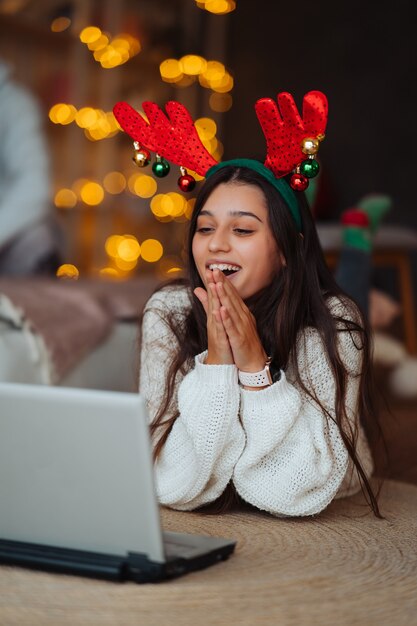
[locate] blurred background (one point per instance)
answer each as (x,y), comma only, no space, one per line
(81,209)
(217,57)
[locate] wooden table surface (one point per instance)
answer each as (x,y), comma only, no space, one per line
(343,567)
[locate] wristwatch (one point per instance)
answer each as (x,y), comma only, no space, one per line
(257,379)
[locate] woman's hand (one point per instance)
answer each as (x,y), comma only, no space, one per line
(240,326)
(219,350)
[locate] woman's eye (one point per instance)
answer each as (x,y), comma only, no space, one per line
(204,229)
(243,231)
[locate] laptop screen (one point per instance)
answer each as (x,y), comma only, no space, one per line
(76,470)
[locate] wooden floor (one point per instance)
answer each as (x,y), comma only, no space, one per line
(398,419)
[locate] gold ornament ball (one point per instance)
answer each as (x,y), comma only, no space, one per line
(310,145)
(141,158)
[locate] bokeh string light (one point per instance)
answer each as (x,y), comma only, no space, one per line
(109,52)
(68,270)
(125,251)
(211,74)
(96,123)
(219,7)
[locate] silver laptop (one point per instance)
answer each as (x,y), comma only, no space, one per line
(77,492)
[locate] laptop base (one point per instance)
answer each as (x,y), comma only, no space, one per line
(134,566)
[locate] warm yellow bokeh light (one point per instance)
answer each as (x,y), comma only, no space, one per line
(214,71)
(128,249)
(120,42)
(92,193)
(151,250)
(66,114)
(86,117)
(110,53)
(125,266)
(110,58)
(185,81)
(77,185)
(62,113)
(206,127)
(217,153)
(223,84)
(114,182)
(167,205)
(131,180)
(220,7)
(192,64)
(169,266)
(159,206)
(220,102)
(53,112)
(112,244)
(134,43)
(171,70)
(109,272)
(90,34)
(98,44)
(59,24)
(65,199)
(67,270)
(178,205)
(189,208)
(145,186)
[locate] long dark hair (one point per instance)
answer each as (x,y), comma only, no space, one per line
(296,299)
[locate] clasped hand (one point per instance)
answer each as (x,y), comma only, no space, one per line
(231,327)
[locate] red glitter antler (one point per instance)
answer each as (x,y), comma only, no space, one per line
(172,136)
(290,138)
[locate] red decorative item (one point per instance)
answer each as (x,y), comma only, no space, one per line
(354,217)
(299,182)
(173,136)
(285,129)
(186,183)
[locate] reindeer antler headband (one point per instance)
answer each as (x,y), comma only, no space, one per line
(292,142)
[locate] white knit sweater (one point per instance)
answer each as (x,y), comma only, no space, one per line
(276,445)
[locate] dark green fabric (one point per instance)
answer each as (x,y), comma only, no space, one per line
(280,184)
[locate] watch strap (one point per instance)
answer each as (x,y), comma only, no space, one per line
(257,379)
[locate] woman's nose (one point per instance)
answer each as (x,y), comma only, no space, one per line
(219,241)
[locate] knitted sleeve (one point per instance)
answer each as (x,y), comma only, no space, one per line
(203,446)
(295,461)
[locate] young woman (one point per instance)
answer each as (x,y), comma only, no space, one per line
(255,368)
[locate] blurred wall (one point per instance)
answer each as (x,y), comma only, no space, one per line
(363,56)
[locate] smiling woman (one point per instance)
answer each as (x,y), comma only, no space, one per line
(233,236)
(255,368)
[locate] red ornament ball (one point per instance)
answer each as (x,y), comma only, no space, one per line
(299,182)
(186,183)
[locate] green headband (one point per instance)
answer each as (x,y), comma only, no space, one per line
(280,184)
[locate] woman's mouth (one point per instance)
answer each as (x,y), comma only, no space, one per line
(228,269)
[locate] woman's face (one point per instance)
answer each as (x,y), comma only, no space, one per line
(233,235)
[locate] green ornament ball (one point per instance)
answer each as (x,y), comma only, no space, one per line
(310,168)
(161,168)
